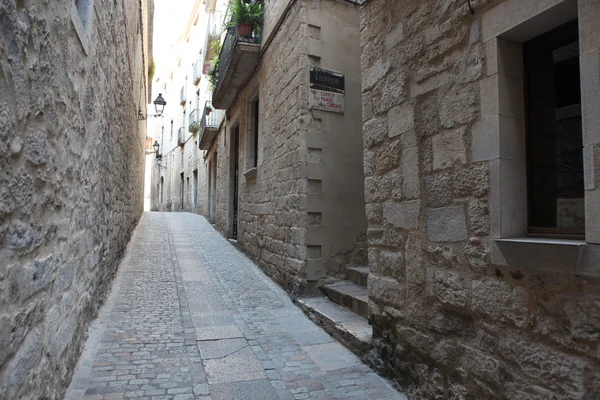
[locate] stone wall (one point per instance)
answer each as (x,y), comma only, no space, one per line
(71,178)
(272,202)
(448,323)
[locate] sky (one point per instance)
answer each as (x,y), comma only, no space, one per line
(169,18)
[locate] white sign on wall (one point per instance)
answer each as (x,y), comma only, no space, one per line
(326,90)
(326,101)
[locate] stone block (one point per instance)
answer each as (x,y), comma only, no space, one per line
(386,290)
(502,95)
(375,73)
(446,224)
(390,263)
(589,28)
(449,287)
(479,217)
(589,180)
(401,119)
(500,301)
(436,189)
(498,137)
(520,21)
(23,362)
(393,38)
(32,278)
(374,132)
(508,199)
(504,57)
(403,215)
(590,96)
(592,224)
(458,106)
(471,181)
(388,157)
(448,149)
(411,180)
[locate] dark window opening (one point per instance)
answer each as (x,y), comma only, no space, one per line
(255,106)
(554,133)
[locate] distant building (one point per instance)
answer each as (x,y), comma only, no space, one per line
(482,157)
(73,78)
(179,174)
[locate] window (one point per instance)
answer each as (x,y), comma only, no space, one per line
(252,136)
(554,133)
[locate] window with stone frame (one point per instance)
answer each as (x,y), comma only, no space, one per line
(554,133)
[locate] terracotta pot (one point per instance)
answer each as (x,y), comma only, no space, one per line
(245,30)
(208,110)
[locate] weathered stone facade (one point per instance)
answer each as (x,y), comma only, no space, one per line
(451,318)
(301,209)
(71,176)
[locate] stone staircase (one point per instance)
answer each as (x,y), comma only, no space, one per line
(351,293)
(343,312)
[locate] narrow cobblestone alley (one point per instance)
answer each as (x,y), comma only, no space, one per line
(189,316)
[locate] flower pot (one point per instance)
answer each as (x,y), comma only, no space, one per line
(245,30)
(208,110)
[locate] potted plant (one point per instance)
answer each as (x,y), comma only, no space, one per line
(194,127)
(208,109)
(246,16)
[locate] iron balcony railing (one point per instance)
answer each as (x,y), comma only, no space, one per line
(194,124)
(232,38)
(209,119)
(181,136)
(197,71)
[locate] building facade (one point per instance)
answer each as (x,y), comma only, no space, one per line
(178,175)
(73,77)
(481,156)
(285,174)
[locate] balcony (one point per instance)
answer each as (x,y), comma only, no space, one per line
(213,37)
(194,124)
(197,72)
(183,95)
(209,126)
(237,60)
(181,136)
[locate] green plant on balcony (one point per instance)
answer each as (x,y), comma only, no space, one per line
(213,74)
(246,16)
(194,127)
(207,110)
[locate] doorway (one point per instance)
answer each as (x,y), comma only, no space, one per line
(234,180)
(182,192)
(195,190)
(212,188)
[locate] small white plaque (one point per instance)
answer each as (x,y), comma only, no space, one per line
(326,101)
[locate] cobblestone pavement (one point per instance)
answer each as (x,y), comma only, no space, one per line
(190,317)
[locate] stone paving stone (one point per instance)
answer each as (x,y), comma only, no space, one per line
(190,317)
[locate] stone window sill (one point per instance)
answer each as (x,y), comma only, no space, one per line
(251,173)
(551,255)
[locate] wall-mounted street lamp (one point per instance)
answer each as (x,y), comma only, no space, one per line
(159,105)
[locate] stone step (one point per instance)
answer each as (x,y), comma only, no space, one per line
(358,275)
(349,294)
(350,329)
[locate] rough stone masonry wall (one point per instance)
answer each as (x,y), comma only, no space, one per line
(448,324)
(71,183)
(272,204)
